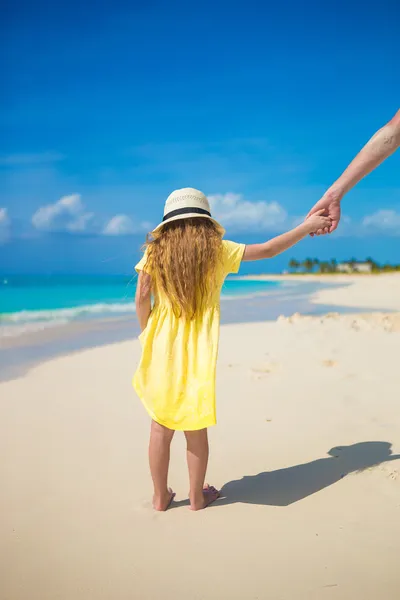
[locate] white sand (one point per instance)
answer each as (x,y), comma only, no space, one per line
(296,523)
(369,291)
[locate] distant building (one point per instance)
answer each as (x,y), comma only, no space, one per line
(358,267)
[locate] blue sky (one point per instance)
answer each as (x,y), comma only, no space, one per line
(109,108)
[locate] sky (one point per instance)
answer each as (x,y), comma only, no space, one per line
(107,107)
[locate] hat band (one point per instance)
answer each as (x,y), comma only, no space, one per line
(186,211)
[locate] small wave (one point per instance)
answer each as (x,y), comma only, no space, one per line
(8,331)
(31,316)
(101,309)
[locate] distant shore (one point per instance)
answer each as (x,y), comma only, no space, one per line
(374,291)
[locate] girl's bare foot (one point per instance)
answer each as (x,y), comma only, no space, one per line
(209,495)
(164,502)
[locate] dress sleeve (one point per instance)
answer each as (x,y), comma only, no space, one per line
(233,255)
(141,266)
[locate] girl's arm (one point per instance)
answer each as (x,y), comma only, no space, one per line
(282,242)
(143,299)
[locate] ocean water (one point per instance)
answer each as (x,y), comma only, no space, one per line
(34,302)
(45,317)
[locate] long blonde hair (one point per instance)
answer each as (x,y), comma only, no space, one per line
(182,259)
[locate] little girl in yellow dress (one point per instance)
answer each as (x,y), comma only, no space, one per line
(183,269)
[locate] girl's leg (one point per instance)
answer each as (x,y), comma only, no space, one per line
(159,452)
(197,458)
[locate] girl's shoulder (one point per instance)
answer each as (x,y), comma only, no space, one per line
(232,255)
(141,265)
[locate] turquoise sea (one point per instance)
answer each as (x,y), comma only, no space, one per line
(42,317)
(57,299)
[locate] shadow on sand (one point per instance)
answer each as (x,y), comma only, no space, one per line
(289,485)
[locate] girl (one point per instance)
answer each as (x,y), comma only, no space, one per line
(184,266)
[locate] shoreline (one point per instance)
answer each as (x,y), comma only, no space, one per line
(345,294)
(20,352)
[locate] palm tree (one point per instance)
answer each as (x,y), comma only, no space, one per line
(308,264)
(294,264)
(324,267)
(374,265)
(352,262)
(315,262)
(333,264)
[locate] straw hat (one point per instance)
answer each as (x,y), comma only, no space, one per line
(186,204)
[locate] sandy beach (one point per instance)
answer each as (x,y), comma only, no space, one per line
(306,453)
(356,291)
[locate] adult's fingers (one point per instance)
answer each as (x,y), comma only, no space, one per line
(335,223)
(320,232)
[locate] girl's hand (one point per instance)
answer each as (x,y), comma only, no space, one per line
(318,222)
(330,201)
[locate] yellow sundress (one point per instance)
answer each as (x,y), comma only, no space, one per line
(176,375)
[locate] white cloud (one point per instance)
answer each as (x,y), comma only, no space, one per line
(4,226)
(119,225)
(67,214)
(124,225)
(384,221)
(238,214)
(23,160)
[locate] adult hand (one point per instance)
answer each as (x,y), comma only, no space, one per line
(330,203)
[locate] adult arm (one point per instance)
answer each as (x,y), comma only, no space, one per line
(382,144)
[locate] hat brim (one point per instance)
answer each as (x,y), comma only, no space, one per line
(189,216)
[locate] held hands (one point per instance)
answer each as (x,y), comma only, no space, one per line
(317,222)
(330,206)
